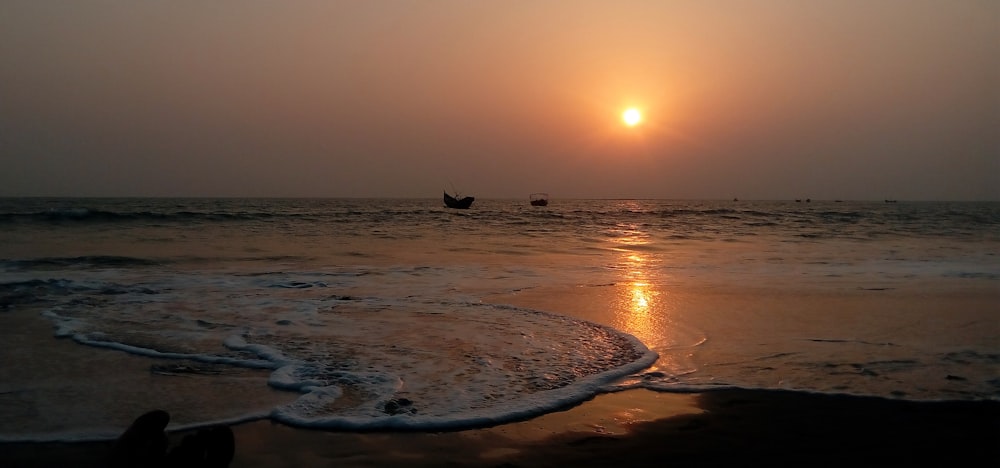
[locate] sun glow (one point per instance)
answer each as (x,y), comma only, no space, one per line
(631,117)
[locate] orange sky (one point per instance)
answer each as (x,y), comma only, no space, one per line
(752,99)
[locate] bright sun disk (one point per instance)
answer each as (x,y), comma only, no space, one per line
(631,117)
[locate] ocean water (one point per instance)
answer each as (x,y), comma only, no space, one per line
(356,314)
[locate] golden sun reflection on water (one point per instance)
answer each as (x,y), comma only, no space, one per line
(642,305)
(637,308)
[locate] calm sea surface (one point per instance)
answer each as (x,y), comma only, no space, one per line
(356,314)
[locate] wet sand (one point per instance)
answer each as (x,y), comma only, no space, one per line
(637,427)
(633,428)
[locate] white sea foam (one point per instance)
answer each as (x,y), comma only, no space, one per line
(364,363)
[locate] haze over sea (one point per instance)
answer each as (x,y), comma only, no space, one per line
(361,314)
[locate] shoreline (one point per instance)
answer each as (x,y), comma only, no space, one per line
(634,427)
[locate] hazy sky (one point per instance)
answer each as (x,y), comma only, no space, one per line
(839,99)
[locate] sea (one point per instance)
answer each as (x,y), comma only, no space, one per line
(402,314)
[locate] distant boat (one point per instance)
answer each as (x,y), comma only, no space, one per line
(539,199)
(458,203)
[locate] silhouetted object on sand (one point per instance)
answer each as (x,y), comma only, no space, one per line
(144,444)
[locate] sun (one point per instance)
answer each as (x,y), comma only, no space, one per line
(631,117)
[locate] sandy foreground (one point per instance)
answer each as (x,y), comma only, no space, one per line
(636,427)
(633,428)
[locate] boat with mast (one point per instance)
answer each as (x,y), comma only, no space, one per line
(458,201)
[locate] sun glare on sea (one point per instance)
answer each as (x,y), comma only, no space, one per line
(631,117)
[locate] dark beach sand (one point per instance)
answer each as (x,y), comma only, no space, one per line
(632,428)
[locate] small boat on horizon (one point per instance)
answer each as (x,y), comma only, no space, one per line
(539,199)
(462,203)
